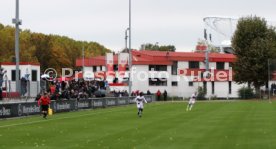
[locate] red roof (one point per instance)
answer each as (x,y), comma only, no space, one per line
(145,57)
(21,63)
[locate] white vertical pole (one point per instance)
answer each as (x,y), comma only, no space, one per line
(17,22)
(82,59)
(130,54)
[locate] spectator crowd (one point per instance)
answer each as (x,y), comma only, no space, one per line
(78,89)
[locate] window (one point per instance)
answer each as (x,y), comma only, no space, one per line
(157,82)
(125,80)
(174,83)
(13,72)
(151,67)
(174,68)
(213,87)
(127,68)
(201,74)
(205,86)
(115,80)
(229,87)
(191,83)
(115,67)
(220,65)
(94,68)
(193,64)
(157,67)
(161,68)
(230,64)
(34,75)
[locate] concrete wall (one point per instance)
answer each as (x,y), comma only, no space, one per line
(221,89)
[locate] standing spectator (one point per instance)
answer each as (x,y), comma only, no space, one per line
(148,92)
(125,93)
(44,101)
(57,87)
(158,94)
(63,85)
(23,86)
(1,93)
(137,92)
(165,95)
(132,93)
(53,89)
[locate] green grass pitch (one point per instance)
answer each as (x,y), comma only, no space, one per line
(210,125)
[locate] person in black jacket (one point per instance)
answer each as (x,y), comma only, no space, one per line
(165,94)
(1,93)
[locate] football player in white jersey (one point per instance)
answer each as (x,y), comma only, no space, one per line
(140,99)
(191,102)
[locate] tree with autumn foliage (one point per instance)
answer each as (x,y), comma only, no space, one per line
(51,51)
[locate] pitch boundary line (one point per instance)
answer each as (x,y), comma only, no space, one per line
(101,111)
(68,117)
(60,118)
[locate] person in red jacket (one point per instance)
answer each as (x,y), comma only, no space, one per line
(44,101)
(158,94)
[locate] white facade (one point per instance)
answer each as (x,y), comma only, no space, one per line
(32,70)
(185,84)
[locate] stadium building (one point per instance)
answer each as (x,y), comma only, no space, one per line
(179,73)
(29,72)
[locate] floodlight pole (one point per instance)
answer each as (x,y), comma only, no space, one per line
(206,62)
(126,39)
(83,59)
(207,58)
(207,50)
(130,54)
(17,22)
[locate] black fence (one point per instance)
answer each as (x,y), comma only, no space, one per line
(8,110)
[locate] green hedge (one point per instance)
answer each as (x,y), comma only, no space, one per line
(246,93)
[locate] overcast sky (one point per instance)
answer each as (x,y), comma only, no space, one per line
(176,22)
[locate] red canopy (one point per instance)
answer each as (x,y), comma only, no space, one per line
(63,79)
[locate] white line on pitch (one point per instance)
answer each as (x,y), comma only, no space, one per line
(61,118)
